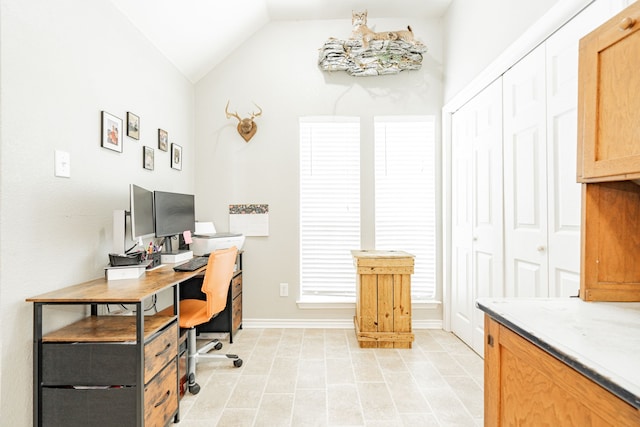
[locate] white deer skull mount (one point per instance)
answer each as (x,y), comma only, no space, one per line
(246,127)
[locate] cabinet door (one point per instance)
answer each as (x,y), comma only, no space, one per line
(524,385)
(525,177)
(478,211)
(609,114)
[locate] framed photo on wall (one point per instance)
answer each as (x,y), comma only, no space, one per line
(176,157)
(111,132)
(147,158)
(133,126)
(163,140)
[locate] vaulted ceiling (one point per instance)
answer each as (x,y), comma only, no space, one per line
(196,35)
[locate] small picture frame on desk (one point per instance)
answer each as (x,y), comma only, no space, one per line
(147,158)
(111,137)
(176,156)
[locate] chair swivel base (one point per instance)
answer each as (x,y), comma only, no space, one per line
(194,387)
(203,354)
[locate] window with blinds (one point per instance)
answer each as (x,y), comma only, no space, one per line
(329,204)
(405,199)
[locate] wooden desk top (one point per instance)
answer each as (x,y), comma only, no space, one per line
(125,291)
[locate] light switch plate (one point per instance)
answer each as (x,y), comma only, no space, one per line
(62,164)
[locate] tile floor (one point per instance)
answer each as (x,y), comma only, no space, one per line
(321,377)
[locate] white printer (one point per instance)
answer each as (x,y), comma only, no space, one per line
(206,239)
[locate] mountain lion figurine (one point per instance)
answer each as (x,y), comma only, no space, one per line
(364,33)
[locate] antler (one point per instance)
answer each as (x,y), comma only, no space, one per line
(254,115)
(229,115)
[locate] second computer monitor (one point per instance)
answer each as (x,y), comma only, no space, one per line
(174,213)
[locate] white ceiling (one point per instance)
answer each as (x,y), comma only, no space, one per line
(196,35)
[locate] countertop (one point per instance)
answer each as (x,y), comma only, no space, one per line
(601,340)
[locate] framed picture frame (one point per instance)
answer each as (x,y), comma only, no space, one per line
(163,140)
(147,158)
(176,156)
(133,125)
(111,137)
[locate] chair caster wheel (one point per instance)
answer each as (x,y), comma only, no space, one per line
(194,389)
(218,346)
(237,363)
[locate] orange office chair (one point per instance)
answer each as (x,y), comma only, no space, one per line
(194,312)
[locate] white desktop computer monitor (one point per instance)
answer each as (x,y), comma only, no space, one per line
(130,227)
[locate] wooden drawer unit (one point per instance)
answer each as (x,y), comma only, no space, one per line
(608,101)
(101,382)
(230,319)
(236,302)
(90,377)
(162,349)
(161,397)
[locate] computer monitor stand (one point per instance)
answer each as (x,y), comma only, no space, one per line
(170,256)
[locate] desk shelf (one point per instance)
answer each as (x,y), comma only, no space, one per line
(107,329)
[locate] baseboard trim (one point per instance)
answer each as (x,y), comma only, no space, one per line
(322,324)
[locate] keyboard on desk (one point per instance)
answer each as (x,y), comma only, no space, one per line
(193,264)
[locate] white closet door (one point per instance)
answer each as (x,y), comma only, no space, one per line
(564,191)
(477,218)
(461,222)
(487,248)
(525,177)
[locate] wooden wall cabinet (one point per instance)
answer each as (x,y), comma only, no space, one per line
(608,101)
(526,386)
(609,158)
(610,242)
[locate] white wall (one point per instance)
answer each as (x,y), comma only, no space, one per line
(62,63)
(277,68)
(477,32)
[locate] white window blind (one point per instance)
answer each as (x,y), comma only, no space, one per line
(405,213)
(329,204)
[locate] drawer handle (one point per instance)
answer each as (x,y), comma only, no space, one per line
(160,353)
(626,23)
(162,402)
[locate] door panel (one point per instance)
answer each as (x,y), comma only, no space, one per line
(461,224)
(525,177)
(562,123)
(529,280)
(487,231)
(477,262)
(565,283)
